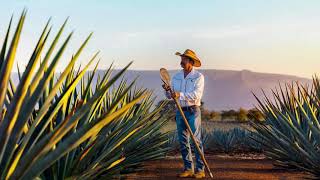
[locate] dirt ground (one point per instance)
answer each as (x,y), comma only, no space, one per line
(224,167)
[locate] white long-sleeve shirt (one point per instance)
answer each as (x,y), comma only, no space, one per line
(190,88)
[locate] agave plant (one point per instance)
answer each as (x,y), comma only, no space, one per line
(233,140)
(63,126)
(291,133)
(230,141)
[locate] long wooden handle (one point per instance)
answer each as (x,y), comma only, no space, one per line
(191,134)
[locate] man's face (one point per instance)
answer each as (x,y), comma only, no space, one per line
(185,62)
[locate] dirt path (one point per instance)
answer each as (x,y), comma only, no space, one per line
(223,167)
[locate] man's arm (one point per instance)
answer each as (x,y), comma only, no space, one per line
(197,93)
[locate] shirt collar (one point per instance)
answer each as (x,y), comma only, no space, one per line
(190,75)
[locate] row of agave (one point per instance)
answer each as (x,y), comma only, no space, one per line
(235,140)
(231,141)
(76,124)
(291,133)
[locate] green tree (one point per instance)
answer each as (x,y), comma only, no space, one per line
(228,114)
(242,115)
(215,115)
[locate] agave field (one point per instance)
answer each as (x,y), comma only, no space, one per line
(289,135)
(78,124)
(60,126)
(236,140)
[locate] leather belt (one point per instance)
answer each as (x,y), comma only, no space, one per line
(188,108)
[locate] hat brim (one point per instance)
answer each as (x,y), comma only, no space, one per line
(197,62)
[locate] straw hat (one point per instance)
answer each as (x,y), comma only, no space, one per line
(189,53)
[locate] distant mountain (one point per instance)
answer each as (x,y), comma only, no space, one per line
(224,89)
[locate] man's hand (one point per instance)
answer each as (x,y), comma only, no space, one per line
(166,87)
(175,95)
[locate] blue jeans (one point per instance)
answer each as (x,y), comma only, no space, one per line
(194,119)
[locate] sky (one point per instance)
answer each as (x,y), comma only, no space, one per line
(274,36)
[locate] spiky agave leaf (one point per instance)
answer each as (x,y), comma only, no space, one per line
(97,156)
(52,128)
(291,133)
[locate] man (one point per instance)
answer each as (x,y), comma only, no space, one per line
(188,85)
